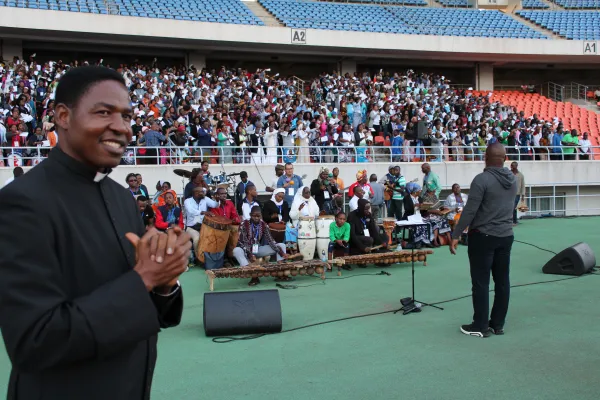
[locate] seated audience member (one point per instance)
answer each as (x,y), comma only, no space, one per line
(303,206)
(364,232)
(455,202)
(249,202)
(162,188)
(168,215)
(323,189)
(276,209)
(422,235)
(256,241)
(134,185)
(359,192)
(146,211)
(226,208)
(339,236)
(195,208)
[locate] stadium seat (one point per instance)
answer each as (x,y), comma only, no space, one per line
(402,20)
(222,11)
(580,25)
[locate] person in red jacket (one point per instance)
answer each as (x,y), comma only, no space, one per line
(361,180)
(169,215)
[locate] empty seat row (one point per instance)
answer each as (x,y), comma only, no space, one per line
(575,25)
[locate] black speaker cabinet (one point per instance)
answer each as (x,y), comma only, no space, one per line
(575,260)
(242,313)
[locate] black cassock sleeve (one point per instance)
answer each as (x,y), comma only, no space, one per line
(42,326)
(169,308)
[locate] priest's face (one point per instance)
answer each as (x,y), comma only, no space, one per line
(97,129)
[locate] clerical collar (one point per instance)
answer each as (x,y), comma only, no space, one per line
(77,167)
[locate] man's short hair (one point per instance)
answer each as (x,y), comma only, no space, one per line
(255,209)
(77,81)
(142,198)
(17,172)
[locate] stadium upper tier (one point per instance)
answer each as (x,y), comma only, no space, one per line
(404,20)
(534,4)
(223,11)
(578,4)
(576,25)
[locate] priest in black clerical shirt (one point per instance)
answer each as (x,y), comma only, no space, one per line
(82,297)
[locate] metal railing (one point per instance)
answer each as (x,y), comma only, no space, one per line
(415,152)
(554,91)
(576,91)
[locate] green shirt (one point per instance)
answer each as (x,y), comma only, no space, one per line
(569,139)
(401,181)
(339,233)
(431,183)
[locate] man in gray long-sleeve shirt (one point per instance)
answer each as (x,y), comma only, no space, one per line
(488,214)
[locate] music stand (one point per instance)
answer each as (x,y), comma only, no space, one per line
(409,303)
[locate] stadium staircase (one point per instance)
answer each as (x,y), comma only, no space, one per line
(257,9)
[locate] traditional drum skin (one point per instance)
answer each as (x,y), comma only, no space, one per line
(214,235)
(234,236)
(307,235)
(277,231)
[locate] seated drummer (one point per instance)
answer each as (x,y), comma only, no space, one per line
(226,207)
(364,232)
(256,241)
(169,215)
(339,236)
(276,209)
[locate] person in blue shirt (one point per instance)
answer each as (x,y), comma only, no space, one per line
(557,146)
(397,143)
(290,182)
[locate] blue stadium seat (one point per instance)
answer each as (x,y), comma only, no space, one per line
(222,11)
(574,25)
(534,5)
(405,20)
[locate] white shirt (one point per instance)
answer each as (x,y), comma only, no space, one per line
(585,145)
(247,207)
(193,210)
(353,203)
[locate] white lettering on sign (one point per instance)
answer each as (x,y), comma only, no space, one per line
(590,48)
(298,36)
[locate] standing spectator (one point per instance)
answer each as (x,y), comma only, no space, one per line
(152,139)
(377,200)
(488,216)
(290,182)
(585,147)
(514,167)
(570,143)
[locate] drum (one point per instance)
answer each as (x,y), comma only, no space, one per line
(214,235)
(306,228)
(234,236)
(306,247)
(389,225)
(322,224)
(307,235)
(277,230)
(323,248)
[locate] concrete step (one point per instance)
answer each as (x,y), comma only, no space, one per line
(266,17)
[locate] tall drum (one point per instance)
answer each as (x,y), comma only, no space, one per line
(323,223)
(307,237)
(214,235)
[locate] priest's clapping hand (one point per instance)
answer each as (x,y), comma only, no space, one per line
(161,257)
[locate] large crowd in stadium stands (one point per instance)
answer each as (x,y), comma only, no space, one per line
(237,116)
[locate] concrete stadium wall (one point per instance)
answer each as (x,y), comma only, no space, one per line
(214,34)
(540,176)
